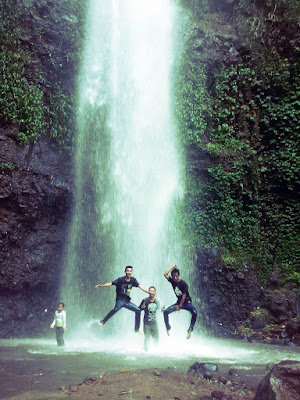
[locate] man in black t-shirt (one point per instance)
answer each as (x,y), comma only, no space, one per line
(123,289)
(184,300)
(150,305)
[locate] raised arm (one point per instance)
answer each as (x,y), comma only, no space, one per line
(166,273)
(144,290)
(105,285)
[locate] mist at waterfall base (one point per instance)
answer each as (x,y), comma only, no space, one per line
(128,167)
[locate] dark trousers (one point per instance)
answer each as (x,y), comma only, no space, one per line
(130,306)
(60,335)
(150,330)
(186,306)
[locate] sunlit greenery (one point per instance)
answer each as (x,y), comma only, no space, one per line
(20,99)
(6,168)
(25,102)
(246,122)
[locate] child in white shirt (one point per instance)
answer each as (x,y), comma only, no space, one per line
(59,323)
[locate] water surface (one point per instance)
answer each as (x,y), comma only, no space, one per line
(38,365)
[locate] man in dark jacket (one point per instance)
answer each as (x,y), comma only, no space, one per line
(184,300)
(123,289)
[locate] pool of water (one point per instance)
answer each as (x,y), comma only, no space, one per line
(39,365)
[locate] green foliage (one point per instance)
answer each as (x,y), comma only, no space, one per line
(6,168)
(244,331)
(20,100)
(261,313)
(60,116)
(192,105)
(247,122)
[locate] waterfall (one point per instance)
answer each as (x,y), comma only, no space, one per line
(128,176)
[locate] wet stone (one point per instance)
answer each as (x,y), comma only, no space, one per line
(199,369)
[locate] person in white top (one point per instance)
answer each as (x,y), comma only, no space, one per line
(60,324)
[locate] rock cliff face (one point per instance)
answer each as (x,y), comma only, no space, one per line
(36,180)
(230,293)
(235,303)
(35,203)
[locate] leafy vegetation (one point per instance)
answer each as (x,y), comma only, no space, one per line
(6,168)
(20,99)
(245,121)
(60,116)
(38,95)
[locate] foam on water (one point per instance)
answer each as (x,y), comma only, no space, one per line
(170,349)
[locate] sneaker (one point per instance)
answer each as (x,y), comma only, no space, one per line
(92,322)
(139,332)
(100,323)
(168,332)
(188,334)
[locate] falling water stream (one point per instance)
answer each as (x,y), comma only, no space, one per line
(128,174)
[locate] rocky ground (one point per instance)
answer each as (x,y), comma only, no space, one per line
(157,384)
(281,382)
(160,384)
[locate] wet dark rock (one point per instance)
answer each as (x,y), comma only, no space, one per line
(293,326)
(293,330)
(258,323)
(298,303)
(282,383)
(281,302)
(32,249)
(199,369)
(253,312)
(221,284)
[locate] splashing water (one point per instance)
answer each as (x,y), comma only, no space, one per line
(127,162)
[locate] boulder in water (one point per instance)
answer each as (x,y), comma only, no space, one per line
(199,369)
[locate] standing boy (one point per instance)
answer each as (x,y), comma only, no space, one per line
(150,305)
(184,300)
(60,324)
(123,289)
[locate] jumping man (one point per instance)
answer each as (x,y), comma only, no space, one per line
(123,288)
(184,300)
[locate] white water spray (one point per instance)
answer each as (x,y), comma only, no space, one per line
(127,163)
